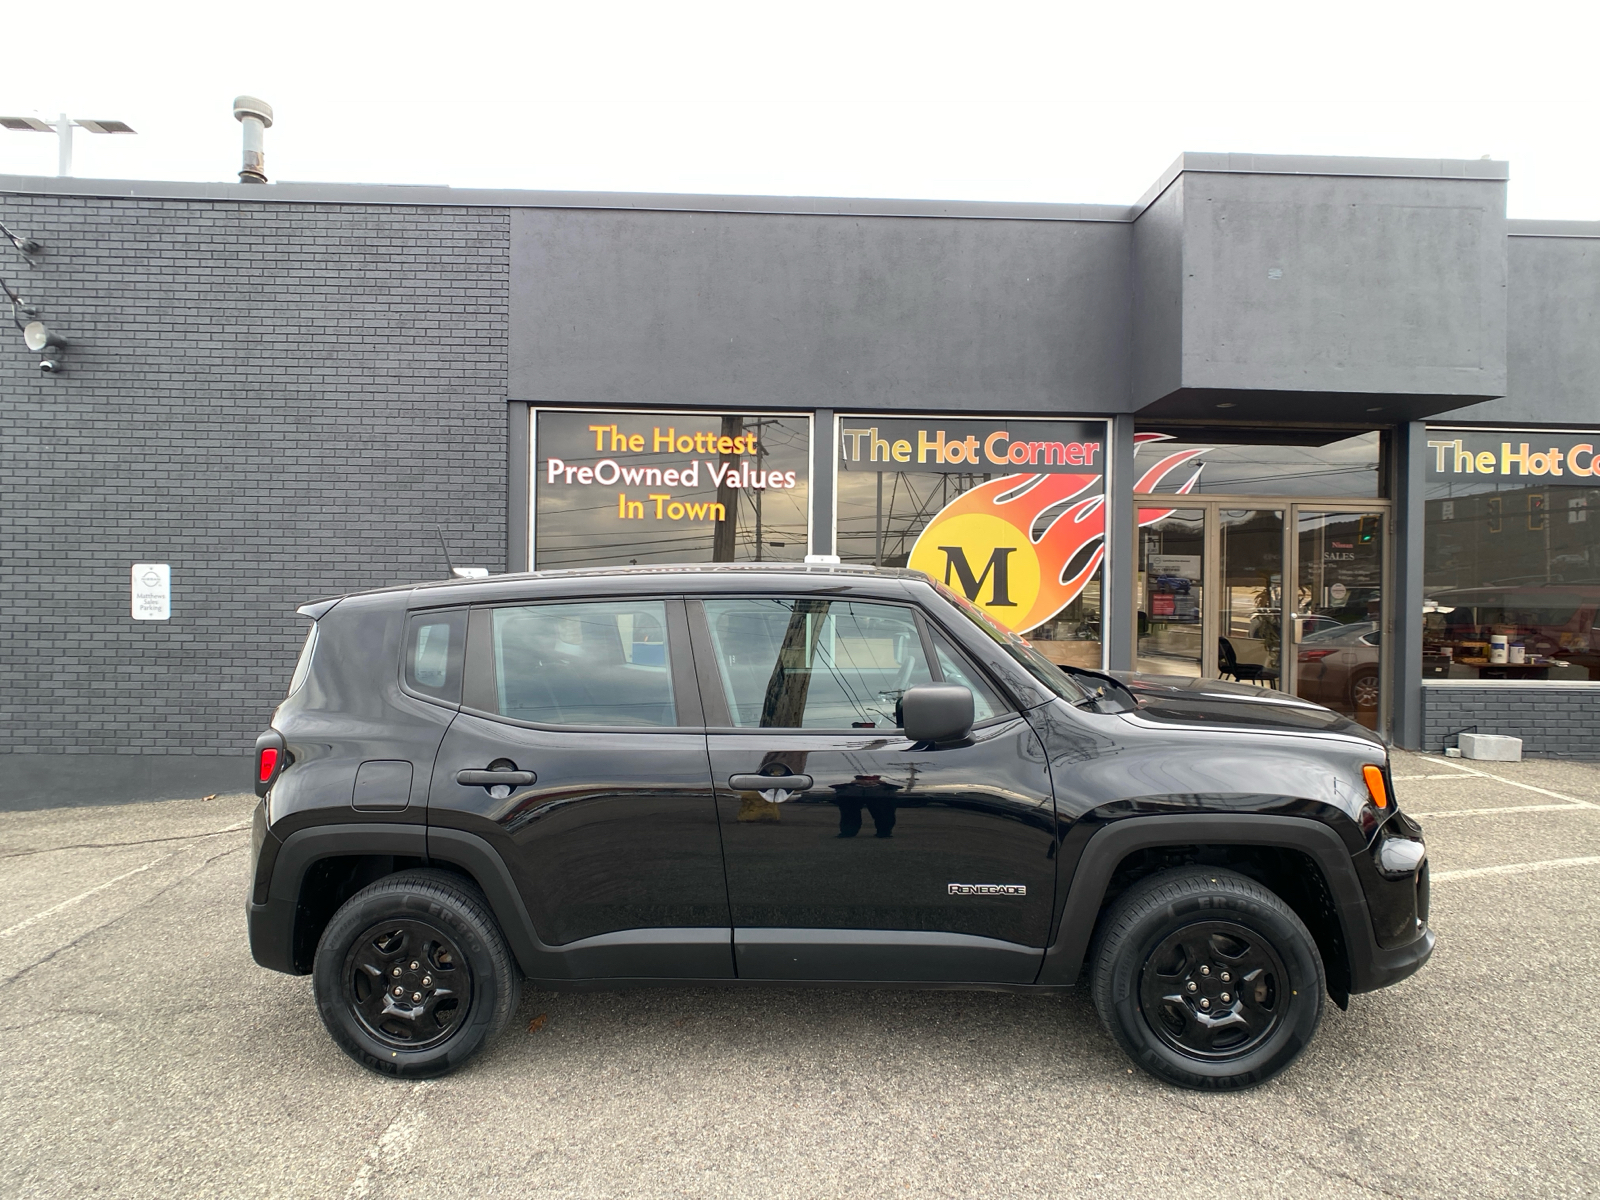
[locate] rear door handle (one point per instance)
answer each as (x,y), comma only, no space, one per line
(491,778)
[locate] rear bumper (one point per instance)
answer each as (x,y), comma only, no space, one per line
(272,934)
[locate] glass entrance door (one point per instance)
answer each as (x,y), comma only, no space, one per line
(1212,601)
(1338,610)
(1172,620)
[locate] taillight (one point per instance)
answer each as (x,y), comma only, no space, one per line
(1314,655)
(272,758)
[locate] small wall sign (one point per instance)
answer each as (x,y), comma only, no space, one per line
(152,591)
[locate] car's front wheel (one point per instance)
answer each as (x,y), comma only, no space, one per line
(1207,979)
(412,975)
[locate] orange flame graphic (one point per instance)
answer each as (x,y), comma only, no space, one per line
(1017,502)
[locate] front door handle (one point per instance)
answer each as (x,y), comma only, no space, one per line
(774,789)
(491,778)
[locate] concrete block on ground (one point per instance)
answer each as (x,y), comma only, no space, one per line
(1491,747)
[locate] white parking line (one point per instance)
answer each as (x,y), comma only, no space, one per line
(1445,762)
(393,1144)
(1515,808)
(81,896)
(1588,860)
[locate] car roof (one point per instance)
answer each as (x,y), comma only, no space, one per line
(692,577)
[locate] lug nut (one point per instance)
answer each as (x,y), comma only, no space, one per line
(399,991)
(1193,986)
(395,972)
(415,965)
(1226,978)
(1225,997)
(1205,970)
(1205,1004)
(427,981)
(416,996)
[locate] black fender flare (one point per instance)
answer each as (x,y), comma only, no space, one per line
(1370,966)
(272,923)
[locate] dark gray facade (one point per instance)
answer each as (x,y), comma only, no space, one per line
(284,390)
(272,397)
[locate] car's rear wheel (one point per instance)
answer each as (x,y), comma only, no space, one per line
(1364,690)
(1206,979)
(412,975)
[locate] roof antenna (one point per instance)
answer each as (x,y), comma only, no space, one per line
(449,567)
(451,570)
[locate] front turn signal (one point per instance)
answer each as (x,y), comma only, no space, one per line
(1375,785)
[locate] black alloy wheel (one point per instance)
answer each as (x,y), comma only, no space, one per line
(1213,989)
(1207,979)
(412,975)
(407,983)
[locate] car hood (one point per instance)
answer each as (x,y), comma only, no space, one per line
(1181,700)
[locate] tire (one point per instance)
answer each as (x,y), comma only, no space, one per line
(429,934)
(1188,937)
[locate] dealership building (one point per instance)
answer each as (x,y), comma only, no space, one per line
(1324,425)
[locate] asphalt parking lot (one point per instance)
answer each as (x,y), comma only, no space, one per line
(148,1056)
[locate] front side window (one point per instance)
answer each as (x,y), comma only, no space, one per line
(1018,648)
(604,663)
(815,663)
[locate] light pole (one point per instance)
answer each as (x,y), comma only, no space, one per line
(63,131)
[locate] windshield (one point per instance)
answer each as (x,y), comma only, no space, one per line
(1036,664)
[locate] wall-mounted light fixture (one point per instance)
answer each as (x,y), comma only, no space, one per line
(24,245)
(49,345)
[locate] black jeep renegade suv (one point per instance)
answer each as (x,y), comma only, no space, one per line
(761,774)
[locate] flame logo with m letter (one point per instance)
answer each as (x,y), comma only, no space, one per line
(983,545)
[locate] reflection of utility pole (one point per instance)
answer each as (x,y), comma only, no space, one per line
(761,452)
(723,539)
(877,525)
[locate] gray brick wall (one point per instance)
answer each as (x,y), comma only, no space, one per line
(280,400)
(1553,722)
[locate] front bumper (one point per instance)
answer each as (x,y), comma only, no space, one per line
(1381,967)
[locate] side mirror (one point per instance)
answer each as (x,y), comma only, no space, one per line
(936,712)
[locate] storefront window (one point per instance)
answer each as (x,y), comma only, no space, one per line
(1229,462)
(611,488)
(1512,555)
(1010,513)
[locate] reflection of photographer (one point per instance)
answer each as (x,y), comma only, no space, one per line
(871,793)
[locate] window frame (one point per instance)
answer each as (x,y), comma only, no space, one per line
(714,698)
(480,680)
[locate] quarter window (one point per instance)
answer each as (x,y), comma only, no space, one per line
(584,664)
(815,663)
(435,643)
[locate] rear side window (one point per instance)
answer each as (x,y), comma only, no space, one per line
(434,647)
(584,664)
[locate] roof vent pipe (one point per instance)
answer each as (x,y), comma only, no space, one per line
(256,117)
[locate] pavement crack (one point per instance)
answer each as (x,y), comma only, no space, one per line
(182,837)
(8,980)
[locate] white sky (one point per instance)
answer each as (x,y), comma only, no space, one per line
(1020,101)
